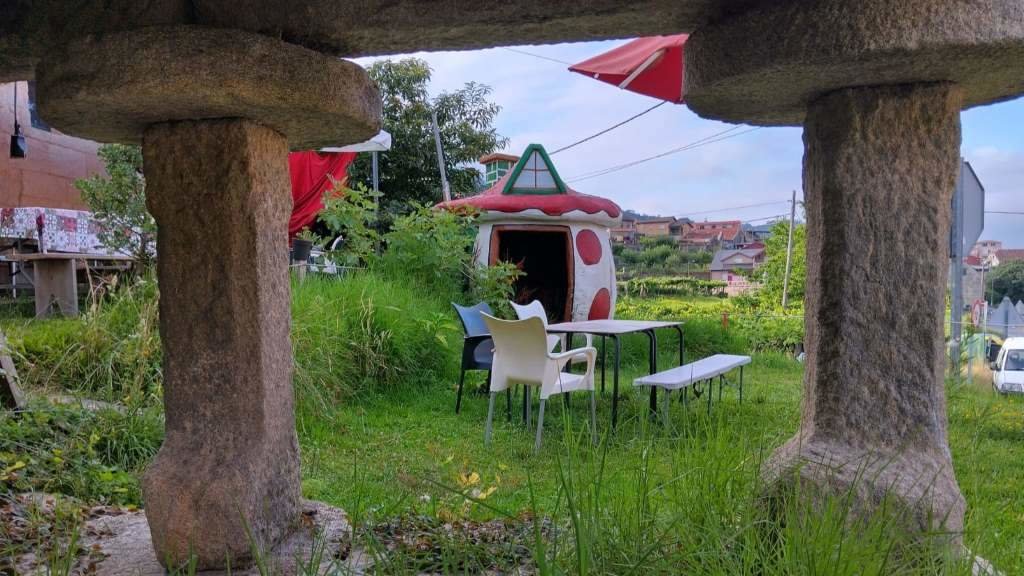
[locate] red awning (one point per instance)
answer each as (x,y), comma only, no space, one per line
(311,174)
(651,66)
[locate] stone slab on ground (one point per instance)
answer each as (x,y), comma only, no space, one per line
(123,542)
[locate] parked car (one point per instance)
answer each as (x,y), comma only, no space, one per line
(1008,369)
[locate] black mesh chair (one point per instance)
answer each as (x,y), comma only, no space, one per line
(477,347)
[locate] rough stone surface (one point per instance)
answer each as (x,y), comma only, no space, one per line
(880,165)
(30,28)
(219,191)
(765,65)
(119,544)
(111,88)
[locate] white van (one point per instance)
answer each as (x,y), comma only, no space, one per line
(1008,369)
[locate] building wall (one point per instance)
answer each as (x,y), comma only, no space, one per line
(45,178)
(653,228)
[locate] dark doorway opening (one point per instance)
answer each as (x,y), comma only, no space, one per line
(544,253)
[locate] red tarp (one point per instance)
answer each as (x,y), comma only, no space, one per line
(311,176)
(657,62)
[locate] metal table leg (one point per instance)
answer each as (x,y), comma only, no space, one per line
(604,349)
(615,381)
(682,348)
(653,366)
(741,384)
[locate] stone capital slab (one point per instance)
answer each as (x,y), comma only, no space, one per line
(766,63)
(111,88)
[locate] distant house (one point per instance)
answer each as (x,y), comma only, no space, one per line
(656,226)
(736,264)
(725,235)
(758,233)
(973,279)
(626,233)
(1005,255)
(496,165)
(984,249)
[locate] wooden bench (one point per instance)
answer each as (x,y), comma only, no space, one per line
(692,374)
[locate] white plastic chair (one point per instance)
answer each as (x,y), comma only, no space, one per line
(522,355)
(536,310)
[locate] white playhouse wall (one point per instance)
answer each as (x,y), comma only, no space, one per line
(588,279)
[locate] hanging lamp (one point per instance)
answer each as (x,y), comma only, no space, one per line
(19,148)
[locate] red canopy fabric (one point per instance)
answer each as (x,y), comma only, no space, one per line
(311,174)
(651,66)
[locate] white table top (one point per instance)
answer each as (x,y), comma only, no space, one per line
(703,369)
(30,256)
(609,327)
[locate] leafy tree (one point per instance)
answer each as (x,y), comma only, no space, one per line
(774,268)
(408,172)
(1008,280)
(118,202)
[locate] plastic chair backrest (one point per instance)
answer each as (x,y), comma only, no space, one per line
(472,321)
(520,348)
(532,310)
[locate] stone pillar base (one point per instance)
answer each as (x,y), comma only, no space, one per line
(919,488)
(122,543)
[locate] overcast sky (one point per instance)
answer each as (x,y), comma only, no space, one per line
(543,102)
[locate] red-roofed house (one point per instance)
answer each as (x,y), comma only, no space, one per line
(725,235)
(1006,255)
(559,237)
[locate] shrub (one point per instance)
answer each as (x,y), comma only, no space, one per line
(431,249)
(352,214)
(365,333)
(495,285)
(111,352)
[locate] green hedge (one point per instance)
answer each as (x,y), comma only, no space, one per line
(746,328)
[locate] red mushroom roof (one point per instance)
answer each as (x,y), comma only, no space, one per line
(553,205)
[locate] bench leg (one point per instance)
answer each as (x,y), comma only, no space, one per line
(668,405)
(710,392)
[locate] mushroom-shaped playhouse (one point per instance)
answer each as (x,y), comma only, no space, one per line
(559,237)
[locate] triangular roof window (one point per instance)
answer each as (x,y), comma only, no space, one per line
(534,174)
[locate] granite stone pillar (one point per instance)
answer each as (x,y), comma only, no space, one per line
(880,165)
(219,191)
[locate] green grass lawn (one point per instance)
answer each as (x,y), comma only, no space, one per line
(409,452)
(375,384)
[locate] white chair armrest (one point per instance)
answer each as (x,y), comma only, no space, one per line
(563,358)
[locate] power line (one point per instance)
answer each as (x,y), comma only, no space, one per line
(718,137)
(525,53)
(766,218)
(609,129)
(736,208)
(606,170)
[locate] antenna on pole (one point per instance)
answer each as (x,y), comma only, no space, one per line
(789,251)
(446,190)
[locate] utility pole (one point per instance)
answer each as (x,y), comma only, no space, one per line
(789,251)
(446,191)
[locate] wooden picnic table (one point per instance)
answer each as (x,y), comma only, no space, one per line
(614,329)
(54,277)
